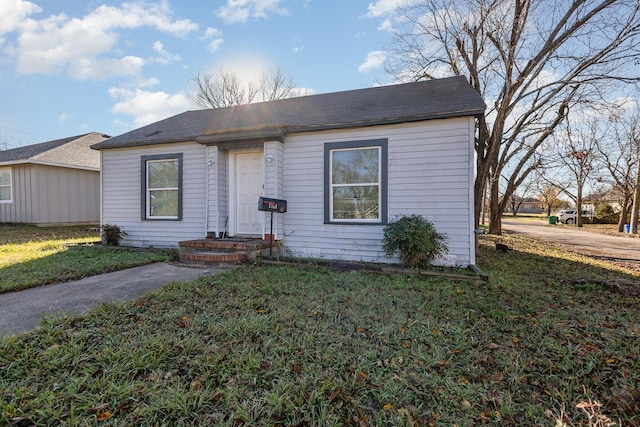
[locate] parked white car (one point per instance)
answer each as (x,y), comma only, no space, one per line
(569,216)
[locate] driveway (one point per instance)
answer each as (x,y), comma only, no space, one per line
(23,310)
(622,248)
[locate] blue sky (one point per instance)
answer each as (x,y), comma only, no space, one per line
(71,67)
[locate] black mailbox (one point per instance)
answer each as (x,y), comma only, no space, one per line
(272,205)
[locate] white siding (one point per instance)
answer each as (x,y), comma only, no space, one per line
(122,195)
(429,173)
(273,184)
(223,191)
(213,190)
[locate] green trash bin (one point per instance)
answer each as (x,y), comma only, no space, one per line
(553,219)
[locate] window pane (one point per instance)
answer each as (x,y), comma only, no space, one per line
(5,193)
(163,174)
(356,202)
(5,177)
(355,166)
(163,203)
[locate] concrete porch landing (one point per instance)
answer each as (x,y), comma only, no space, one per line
(224,251)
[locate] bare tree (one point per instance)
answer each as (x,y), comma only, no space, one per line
(619,150)
(577,153)
(225,88)
(275,84)
(549,196)
(6,143)
(515,202)
(518,198)
(547,191)
(531,60)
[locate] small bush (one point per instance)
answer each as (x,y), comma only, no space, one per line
(606,215)
(416,239)
(112,234)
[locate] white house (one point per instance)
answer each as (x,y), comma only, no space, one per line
(51,183)
(347,163)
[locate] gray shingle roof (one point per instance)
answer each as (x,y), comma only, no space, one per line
(442,98)
(74,151)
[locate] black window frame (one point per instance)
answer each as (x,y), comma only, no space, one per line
(382,144)
(144,178)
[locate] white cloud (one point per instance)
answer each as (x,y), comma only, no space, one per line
(212,33)
(215,37)
(140,14)
(83,46)
(239,11)
(626,103)
(165,57)
(147,106)
(214,45)
(102,69)
(384,7)
(13,12)
(374,60)
(152,81)
(386,25)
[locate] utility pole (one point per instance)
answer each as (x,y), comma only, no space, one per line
(636,200)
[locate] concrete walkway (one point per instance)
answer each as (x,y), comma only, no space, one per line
(23,310)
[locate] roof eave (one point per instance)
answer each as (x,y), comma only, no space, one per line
(107,144)
(252,134)
(53,164)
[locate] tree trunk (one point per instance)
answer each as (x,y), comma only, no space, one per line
(478,207)
(495,213)
(623,214)
(579,207)
(495,219)
(636,200)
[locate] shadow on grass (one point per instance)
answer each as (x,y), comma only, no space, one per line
(545,265)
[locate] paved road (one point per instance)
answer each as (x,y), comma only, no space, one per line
(622,247)
(23,310)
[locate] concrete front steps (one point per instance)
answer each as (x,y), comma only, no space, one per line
(224,251)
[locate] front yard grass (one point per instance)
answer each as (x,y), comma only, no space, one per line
(33,256)
(544,342)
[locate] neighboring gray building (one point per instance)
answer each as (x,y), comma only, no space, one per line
(347,163)
(51,183)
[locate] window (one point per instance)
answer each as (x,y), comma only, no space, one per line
(356,182)
(162,187)
(5,185)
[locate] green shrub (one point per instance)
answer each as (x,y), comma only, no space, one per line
(606,215)
(112,234)
(416,239)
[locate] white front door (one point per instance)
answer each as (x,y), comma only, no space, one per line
(248,189)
